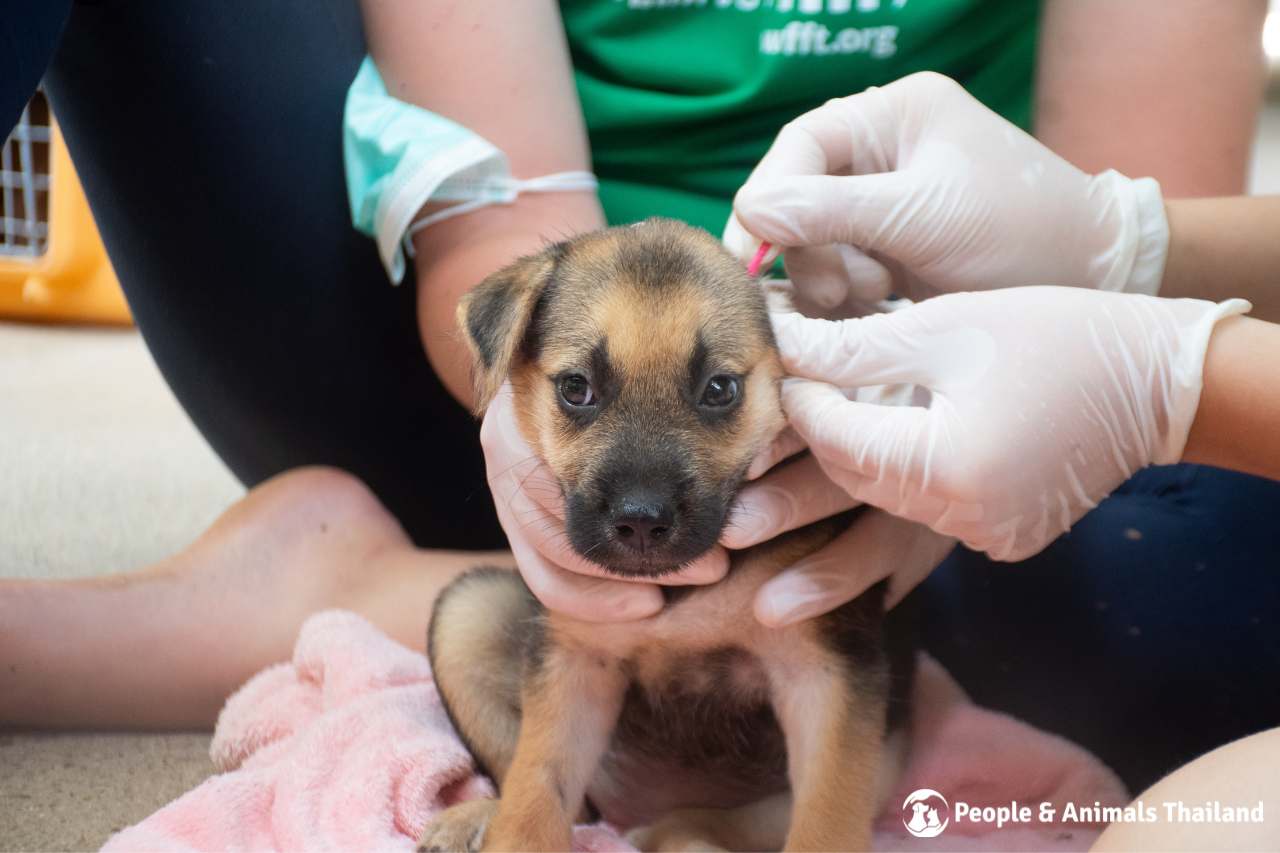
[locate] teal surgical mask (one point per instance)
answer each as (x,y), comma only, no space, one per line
(399,156)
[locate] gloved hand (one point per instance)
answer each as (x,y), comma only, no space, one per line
(917,189)
(1043,400)
(531,510)
(878,545)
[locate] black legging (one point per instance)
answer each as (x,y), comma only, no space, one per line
(207,136)
(208,140)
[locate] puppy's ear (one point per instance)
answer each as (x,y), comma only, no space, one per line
(495,317)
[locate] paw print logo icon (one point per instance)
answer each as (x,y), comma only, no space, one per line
(925,813)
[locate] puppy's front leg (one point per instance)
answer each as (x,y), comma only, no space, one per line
(569,707)
(833,718)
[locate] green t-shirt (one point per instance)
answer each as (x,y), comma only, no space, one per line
(683,97)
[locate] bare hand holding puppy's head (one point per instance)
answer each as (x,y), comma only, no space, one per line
(645,375)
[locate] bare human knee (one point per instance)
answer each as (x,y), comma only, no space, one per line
(321,499)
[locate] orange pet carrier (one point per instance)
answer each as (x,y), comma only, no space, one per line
(52,264)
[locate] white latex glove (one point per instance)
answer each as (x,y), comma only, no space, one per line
(878,545)
(918,189)
(530,508)
(1044,400)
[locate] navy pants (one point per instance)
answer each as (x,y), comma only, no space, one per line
(207,136)
(1150,633)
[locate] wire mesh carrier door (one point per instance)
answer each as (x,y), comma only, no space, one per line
(52,264)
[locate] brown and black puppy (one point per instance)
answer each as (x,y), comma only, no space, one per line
(646,376)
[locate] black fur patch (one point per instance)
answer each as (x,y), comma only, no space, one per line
(657,264)
(710,731)
(697,368)
(489,318)
(535,332)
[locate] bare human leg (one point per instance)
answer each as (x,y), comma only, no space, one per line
(162,647)
(1239,775)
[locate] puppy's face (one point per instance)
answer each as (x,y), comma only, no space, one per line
(646,376)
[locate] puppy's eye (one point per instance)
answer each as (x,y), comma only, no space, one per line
(576,390)
(721,391)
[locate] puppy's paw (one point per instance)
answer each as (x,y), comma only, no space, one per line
(458,829)
(681,831)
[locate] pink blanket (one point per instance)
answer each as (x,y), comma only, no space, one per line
(348,748)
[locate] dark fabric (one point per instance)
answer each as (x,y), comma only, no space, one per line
(29,31)
(208,140)
(1149,634)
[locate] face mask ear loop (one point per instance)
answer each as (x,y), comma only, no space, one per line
(441,215)
(510,189)
(559,182)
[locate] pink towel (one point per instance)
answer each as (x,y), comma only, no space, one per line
(349,748)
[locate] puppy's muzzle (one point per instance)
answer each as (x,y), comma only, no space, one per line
(642,516)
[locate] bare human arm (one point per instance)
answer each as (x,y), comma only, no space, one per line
(1153,88)
(1237,424)
(1220,248)
(501,70)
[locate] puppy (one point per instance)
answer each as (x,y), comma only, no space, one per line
(646,376)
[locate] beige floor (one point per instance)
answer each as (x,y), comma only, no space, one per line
(100,471)
(72,791)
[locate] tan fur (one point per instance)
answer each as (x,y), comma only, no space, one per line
(538,695)
(833,734)
(756,826)
(569,707)
(459,827)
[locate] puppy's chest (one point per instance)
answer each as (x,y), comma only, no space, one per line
(695,730)
(699,705)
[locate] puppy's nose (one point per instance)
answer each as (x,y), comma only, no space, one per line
(643,522)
